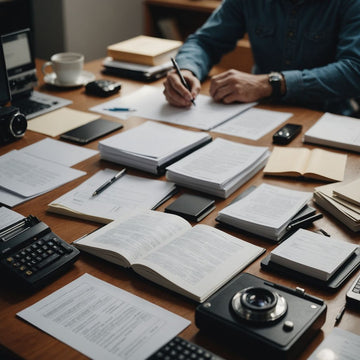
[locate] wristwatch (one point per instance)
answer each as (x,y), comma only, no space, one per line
(275,82)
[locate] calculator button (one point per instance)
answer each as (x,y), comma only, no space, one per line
(47,261)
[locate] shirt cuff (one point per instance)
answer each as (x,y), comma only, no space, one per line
(294,84)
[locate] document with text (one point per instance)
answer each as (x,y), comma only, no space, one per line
(149,102)
(104,322)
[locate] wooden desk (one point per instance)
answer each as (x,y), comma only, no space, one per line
(24,340)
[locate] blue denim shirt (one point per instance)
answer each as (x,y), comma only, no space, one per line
(314,43)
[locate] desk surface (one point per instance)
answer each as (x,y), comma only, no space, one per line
(26,341)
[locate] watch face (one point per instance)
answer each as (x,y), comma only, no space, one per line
(274,77)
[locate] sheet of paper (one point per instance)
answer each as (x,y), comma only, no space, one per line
(149,102)
(253,124)
(104,322)
(59,151)
(27,175)
(339,344)
(59,121)
(8,217)
(128,194)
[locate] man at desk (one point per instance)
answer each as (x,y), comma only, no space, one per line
(306,53)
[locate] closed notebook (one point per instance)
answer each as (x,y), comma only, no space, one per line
(191,207)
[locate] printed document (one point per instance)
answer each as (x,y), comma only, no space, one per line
(27,175)
(103,321)
(124,196)
(8,217)
(149,102)
(253,124)
(59,151)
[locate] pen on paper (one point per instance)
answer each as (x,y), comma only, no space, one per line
(304,222)
(340,314)
(183,81)
(120,109)
(109,182)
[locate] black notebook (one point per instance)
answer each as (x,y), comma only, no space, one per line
(191,207)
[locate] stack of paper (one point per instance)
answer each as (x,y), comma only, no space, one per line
(266,211)
(313,254)
(219,168)
(341,200)
(124,196)
(335,130)
(151,146)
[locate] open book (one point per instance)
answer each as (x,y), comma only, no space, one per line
(313,254)
(317,164)
(165,249)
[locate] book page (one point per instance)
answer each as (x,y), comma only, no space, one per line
(312,254)
(287,161)
(135,236)
(103,321)
(326,165)
(149,102)
(124,196)
(199,261)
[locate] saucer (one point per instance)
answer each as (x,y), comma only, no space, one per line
(83,79)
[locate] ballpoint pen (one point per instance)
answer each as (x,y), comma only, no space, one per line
(120,109)
(306,221)
(109,182)
(183,81)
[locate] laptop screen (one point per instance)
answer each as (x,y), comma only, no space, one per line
(4,85)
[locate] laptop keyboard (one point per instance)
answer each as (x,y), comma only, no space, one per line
(27,106)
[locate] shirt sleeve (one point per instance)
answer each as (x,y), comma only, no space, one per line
(337,80)
(218,36)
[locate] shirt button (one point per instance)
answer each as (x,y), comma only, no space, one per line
(291,34)
(288,62)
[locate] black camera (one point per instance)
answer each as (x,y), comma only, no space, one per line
(261,317)
(13,124)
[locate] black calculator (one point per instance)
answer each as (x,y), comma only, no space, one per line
(32,254)
(181,349)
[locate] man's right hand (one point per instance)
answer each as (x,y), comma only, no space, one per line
(176,93)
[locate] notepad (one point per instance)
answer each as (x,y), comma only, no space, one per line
(349,192)
(316,164)
(313,254)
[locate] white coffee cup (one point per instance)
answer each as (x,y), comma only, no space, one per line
(67,66)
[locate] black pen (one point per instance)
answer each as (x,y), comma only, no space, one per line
(109,182)
(340,314)
(183,81)
(306,221)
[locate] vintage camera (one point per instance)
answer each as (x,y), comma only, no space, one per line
(13,124)
(261,318)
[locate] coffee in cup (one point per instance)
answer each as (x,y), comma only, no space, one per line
(67,67)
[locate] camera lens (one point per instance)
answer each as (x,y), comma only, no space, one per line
(259,304)
(18,125)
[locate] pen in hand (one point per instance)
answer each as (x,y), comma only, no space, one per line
(109,182)
(183,81)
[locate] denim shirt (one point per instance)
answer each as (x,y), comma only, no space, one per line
(314,43)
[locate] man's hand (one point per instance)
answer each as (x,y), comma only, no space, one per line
(236,86)
(175,92)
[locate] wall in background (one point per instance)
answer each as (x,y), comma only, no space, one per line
(85,26)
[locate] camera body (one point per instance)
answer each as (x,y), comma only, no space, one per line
(13,124)
(261,317)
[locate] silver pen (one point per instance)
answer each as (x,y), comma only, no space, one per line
(109,182)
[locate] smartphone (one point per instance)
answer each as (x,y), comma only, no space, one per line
(286,134)
(91,131)
(353,294)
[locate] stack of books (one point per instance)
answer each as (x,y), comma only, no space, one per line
(341,200)
(143,58)
(312,254)
(151,147)
(219,168)
(267,211)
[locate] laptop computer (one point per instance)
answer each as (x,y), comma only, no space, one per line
(20,66)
